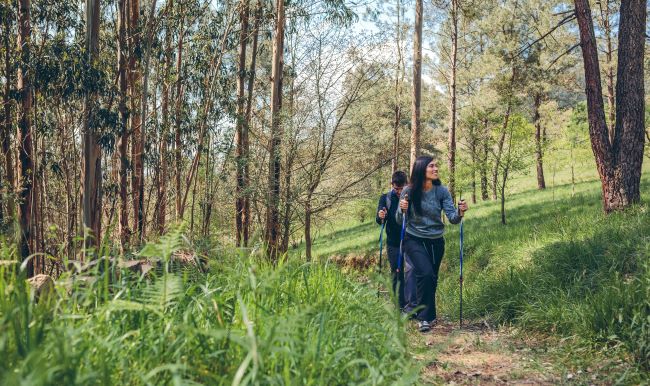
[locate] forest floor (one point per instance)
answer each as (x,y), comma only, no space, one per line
(483,354)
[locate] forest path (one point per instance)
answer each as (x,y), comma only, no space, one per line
(485,355)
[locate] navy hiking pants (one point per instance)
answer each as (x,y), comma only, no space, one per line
(426,256)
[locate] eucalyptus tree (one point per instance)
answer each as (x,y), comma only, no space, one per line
(25,134)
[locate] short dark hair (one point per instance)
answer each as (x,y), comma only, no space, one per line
(399,178)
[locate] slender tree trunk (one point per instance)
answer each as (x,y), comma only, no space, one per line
(24,86)
(484,160)
(193,201)
(135,85)
(308,242)
(503,200)
(122,51)
(272,215)
(286,218)
(246,210)
(541,184)
(6,124)
(161,208)
(502,137)
(473,151)
(239,150)
(609,71)
(140,210)
(399,80)
(92,180)
(207,198)
(417,83)
(288,170)
(69,194)
(451,155)
(619,162)
(177,133)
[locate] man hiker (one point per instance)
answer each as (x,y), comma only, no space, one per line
(386,208)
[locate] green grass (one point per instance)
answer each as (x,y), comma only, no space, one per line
(560,266)
(244,322)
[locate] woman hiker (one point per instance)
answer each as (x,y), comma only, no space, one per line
(423,200)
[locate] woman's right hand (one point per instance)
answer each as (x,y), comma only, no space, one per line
(404,205)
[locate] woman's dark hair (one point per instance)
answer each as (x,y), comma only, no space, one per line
(418,178)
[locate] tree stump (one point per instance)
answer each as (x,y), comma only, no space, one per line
(42,285)
(141,266)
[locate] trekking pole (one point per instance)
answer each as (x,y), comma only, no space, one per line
(381,249)
(461,270)
(401,238)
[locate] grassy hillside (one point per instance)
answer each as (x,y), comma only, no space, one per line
(559,266)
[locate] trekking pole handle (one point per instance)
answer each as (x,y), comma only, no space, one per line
(406,198)
(461,201)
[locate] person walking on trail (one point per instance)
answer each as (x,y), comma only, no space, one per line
(422,201)
(386,209)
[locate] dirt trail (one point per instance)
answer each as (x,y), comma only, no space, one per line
(480,354)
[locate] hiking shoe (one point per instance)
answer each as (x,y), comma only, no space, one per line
(424,326)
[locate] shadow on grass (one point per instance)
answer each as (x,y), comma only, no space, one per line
(592,280)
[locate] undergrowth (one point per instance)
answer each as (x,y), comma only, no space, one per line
(242,322)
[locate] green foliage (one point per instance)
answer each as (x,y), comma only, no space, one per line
(244,322)
(577,131)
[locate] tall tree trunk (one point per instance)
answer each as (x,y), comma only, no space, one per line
(541,183)
(6,124)
(451,155)
(272,220)
(473,152)
(246,210)
(399,80)
(609,71)
(239,149)
(619,162)
(288,170)
(122,51)
(24,86)
(69,194)
(417,83)
(135,85)
(92,180)
(161,207)
(148,34)
(177,132)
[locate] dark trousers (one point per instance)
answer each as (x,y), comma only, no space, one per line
(426,256)
(410,294)
(398,277)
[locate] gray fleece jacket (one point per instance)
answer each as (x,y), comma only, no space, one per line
(429,223)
